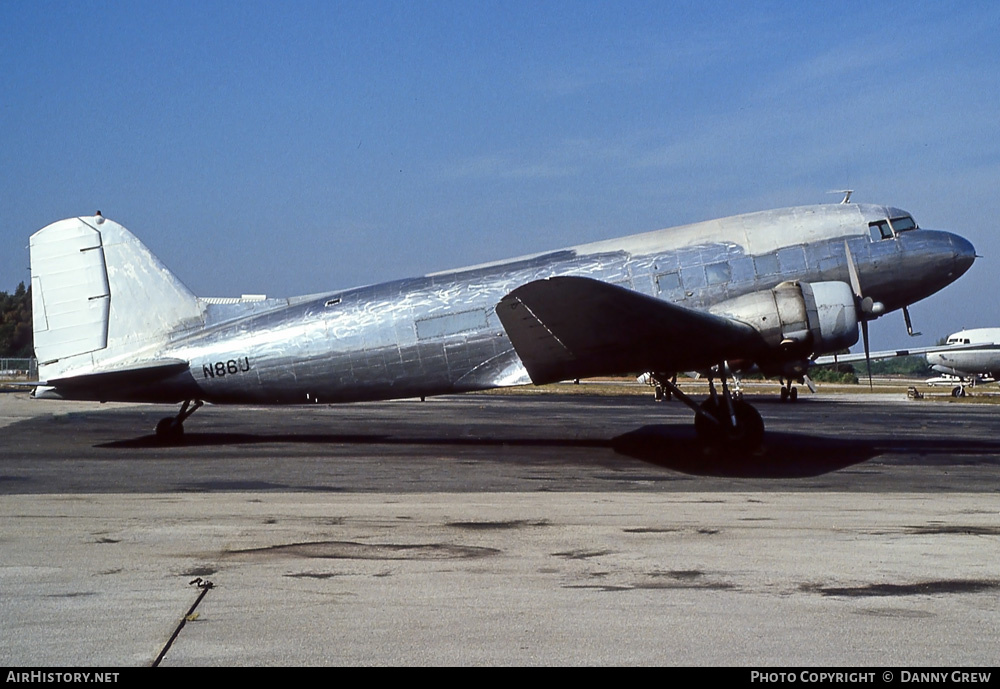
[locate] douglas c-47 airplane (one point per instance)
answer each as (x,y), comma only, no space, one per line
(771,289)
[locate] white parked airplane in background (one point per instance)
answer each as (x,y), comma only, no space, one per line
(976,362)
(968,358)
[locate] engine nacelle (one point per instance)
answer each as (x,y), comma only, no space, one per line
(815,317)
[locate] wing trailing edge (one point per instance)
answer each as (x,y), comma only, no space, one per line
(575,327)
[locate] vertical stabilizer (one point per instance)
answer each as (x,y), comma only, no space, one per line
(100,298)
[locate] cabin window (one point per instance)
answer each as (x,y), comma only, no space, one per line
(792,258)
(451,324)
(693,277)
(765,265)
(717,273)
(668,282)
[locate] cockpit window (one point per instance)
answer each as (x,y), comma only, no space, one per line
(880,230)
(903,224)
(887,229)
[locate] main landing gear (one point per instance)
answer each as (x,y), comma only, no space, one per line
(960,390)
(789,393)
(724,418)
(661,393)
(172,427)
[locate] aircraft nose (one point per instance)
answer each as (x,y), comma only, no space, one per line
(964,253)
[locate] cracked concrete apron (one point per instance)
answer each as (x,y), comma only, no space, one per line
(476,578)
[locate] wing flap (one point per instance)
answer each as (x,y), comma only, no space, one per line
(575,327)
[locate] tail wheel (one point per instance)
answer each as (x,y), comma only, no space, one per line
(169,428)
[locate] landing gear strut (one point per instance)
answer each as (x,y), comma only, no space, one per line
(722,419)
(172,427)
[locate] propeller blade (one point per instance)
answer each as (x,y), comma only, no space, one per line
(809,384)
(852,271)
(909,326)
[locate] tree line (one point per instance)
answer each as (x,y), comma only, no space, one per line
(15,323)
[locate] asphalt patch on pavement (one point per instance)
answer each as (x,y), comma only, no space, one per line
(498,526)
(958,530)
(921,588)
(349,550)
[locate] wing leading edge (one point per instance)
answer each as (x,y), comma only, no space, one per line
(894,353)
(575,327)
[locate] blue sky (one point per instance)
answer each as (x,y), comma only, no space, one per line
(289,148)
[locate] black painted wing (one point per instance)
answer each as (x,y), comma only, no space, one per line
(575,327)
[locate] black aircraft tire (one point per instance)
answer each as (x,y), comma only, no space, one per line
(168,429)
(707,431)
(748,433)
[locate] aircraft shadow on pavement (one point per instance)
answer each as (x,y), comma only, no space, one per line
(672,447)
(224,439)
(792,455)
(783,455)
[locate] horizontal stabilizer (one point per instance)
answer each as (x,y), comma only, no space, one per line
(575,327)
(127,376)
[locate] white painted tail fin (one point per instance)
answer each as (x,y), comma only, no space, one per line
(100,299)
(70,294)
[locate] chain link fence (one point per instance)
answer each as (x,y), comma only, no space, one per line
(18,369)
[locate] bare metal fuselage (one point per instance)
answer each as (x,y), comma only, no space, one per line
(441,334)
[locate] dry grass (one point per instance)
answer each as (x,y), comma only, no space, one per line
(882,386)
(988,394)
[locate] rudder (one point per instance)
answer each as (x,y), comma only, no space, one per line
(100,298)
